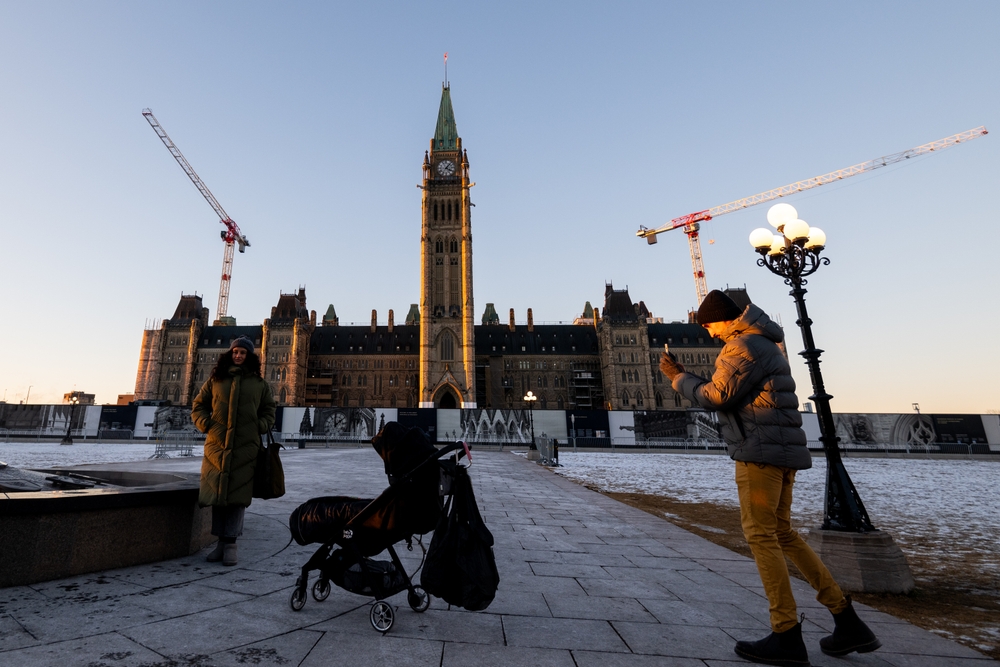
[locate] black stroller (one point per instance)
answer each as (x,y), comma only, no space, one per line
(420,478)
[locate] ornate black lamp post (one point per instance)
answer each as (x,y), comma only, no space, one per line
(68,438)
(530,398)
(793,254)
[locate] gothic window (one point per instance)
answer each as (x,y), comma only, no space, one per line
(283,396)
(361,400)
(439,261)
(166,395)
(560,403)
(284,373)
(453,246)
(542,403)
(624,377)
(347,400)
(677,400)
(453,261)
(638,398)
(439,246)
(435,210)
(659,400)
(447,347)
(618,339)
(539,381)
(625,399)
(392,401)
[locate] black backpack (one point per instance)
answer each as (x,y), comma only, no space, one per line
(460,567)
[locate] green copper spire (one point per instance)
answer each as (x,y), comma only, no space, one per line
(445,135)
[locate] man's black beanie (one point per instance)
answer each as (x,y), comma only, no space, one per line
(717,307)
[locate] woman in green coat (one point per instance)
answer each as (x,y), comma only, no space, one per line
(234,408)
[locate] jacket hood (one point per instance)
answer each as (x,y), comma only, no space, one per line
(754,321)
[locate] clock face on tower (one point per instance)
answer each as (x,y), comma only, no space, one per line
(446,168)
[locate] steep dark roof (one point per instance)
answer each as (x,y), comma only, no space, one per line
(555,338)
(188,308)
(679,334)
(618,307)
(361,340)
(221,337)
(739,296)
(290,307)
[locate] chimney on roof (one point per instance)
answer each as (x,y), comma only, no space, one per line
(511,319)
(531,321)
(374,320)
(391,322)
(597,317)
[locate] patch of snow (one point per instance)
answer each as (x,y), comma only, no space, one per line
(940,509)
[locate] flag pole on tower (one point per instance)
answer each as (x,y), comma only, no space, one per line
(445,69)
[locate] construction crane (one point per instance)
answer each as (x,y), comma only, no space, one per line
(231,236)
(690,222)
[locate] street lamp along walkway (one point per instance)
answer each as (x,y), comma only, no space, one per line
(530,399)
(68,438)
(860,556)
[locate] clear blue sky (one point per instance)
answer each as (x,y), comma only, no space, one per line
(582,121)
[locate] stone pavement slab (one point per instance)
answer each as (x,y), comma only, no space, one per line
(585,582)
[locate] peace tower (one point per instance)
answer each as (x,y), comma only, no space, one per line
(447,343)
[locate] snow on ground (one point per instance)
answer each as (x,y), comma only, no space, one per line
(943,509)
(54,455)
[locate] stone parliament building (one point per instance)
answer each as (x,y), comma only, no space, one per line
(439,357)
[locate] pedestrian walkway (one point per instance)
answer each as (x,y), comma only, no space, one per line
(585,581)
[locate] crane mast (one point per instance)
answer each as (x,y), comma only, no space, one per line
(690,222)
(231,236)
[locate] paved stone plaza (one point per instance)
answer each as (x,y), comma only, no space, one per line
(585,581)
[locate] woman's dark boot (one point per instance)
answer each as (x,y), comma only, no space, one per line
(785,649)
(216,554)
(849,634)
(229,554)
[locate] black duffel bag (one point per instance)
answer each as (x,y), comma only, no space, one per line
(460,567)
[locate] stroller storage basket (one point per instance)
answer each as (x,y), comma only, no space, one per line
(377,578)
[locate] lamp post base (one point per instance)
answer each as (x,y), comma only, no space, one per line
(863,562)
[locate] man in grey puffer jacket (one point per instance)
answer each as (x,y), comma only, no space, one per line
(754,394)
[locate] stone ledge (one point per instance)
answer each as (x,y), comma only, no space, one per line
(863,562)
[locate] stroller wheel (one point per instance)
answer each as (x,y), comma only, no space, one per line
(419,600)
(298,599)
(321,590)
(381,616)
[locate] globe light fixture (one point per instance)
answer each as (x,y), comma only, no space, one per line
(795,230)
(761,238)
(780,214)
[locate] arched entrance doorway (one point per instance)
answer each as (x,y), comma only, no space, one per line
(447,399)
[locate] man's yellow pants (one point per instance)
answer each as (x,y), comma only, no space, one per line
(765,511)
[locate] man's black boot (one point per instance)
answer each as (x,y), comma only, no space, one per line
(849,634)
(785,649)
